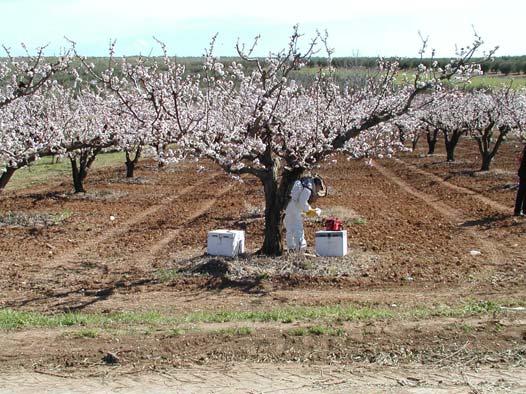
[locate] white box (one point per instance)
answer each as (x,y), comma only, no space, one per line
(225,242)
(331,243)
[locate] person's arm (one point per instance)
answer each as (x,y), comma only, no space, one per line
(303,201)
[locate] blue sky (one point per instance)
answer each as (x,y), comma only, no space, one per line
(356,28)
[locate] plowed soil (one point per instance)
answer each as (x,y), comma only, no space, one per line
(423,233)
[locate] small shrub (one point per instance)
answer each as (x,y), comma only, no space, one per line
(176,332)
(42,219)
(86,333)
(317,330)
(467,328)
(166,275)
(297,332)
(237,331)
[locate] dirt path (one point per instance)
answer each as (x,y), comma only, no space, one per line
(473,194)
(410,238)
(455,216)
(125,227)
(171,235)
(277,378)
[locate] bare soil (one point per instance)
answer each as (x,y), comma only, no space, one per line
(422,233)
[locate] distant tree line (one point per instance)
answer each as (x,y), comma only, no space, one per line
(504,65)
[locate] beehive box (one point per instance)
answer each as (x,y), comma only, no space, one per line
(331,243)
(225,243)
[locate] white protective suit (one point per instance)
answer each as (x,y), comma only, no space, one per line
(299,203)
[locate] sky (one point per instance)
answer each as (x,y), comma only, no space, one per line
(355,28)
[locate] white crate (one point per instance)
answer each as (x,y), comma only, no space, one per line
(331,243)
(225,242)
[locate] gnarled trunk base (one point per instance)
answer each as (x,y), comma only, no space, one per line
(5,177)
(276,197)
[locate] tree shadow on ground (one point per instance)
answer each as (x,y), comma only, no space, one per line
(87,296)
(458,173)
(218,269)
(487,222)
(246,285)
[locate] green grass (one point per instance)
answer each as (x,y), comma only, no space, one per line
(176,332)
(359,221)
(236,331)
(44,170)
(497,81)
(332,312)
(166,275)
(86,333)
(471,308)
(490,81)
(466,328)
(316,331)
(297,332)
(11,319)
(30,220)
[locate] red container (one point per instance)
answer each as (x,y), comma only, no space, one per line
(333,224)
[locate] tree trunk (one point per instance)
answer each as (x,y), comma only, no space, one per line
(451,144)
(160,149)
(130,163)
(414,142)
(484,144)
(450,152)
(272,243)
(432,137)
(80,170)
(6,176)
(276,198)
(78,179)
(401,134)
(486,162)
(130,168)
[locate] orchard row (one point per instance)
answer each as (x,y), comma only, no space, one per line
(253,119)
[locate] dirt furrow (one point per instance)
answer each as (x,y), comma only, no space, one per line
(172,234)
(454,215)
(473,194)
(125,227)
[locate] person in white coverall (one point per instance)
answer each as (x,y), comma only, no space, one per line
(304,192)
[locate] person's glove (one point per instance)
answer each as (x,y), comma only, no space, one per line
(313,212)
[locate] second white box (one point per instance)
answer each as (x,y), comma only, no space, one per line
(331,243)
(225,242)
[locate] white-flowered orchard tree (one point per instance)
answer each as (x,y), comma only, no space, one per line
(259,121)
(489,121)
(20,78)
(25,133)
(23,76)
(514,106)
(55,121)
(163,104)
(410,127)
(449,115)
(479,114)
(92,127)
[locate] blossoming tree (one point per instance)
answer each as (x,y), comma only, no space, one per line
(162,102)
(489,122)
(260,121)
(23,76)
(25,134)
